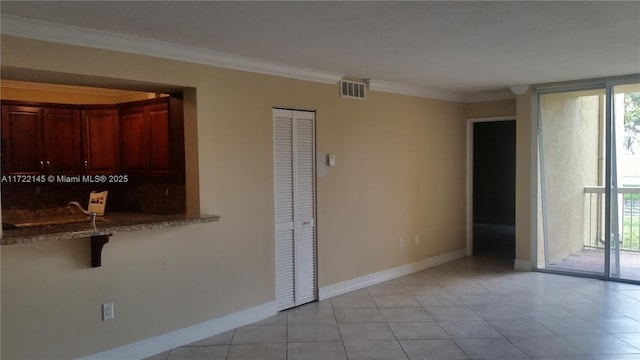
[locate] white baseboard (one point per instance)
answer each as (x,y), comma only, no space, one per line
(521,265)
(174,339)
(389,274)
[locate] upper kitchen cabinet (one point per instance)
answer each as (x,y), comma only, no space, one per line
(100,140)
(40,140)
(62,144)
(145,138)
(141,138)
(21,150)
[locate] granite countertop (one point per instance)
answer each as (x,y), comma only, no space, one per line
(111,223)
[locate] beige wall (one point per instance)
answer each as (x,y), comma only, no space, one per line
(487,109)
(524,182)
(400,173)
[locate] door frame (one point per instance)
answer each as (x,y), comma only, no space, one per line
(469,206)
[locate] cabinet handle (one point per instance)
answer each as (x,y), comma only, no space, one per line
(41,165)
(86,164)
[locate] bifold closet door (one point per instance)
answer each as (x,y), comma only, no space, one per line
(294,178)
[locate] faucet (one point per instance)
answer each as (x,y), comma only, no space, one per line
(86,212)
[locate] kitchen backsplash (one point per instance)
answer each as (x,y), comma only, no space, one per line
(149,195)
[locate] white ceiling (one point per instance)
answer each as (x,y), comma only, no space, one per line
(455,47)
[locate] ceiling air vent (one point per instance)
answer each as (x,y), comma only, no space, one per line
(353,90)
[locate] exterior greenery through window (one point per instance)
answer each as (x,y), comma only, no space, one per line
(632,122)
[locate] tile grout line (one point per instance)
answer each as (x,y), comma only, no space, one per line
(344,346)
(389,326)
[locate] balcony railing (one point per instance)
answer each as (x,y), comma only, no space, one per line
(628,218)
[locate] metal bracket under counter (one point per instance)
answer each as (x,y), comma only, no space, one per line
(97,243)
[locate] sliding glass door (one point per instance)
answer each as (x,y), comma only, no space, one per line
(589,180)
(625,179)
(571,176)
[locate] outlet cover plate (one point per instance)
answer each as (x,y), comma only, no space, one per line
(107,312)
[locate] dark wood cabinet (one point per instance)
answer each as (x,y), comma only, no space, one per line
(158,125)
(62,144)
(21,127)
(141,138)
(132,139)
(40,140)
(100,142)
(144,138)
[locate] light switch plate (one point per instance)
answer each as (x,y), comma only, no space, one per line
(331,159)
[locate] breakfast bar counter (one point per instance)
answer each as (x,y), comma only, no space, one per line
(111,223)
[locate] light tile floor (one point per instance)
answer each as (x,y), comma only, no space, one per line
(473,308)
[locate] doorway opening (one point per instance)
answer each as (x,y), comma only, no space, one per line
(493,174)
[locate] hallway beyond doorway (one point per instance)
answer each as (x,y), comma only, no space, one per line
(493,188)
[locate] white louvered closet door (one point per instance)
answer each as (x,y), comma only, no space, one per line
(294,161)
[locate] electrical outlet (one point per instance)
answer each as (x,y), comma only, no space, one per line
(401,242)
(107,312)
(417,239)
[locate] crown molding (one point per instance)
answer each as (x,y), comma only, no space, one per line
(413,90)
(519,89)
(72,35)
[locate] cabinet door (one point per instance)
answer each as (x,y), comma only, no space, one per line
(158,118)
(144,139)
(62,144)
(101,141)
(134,140)
(22,138)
